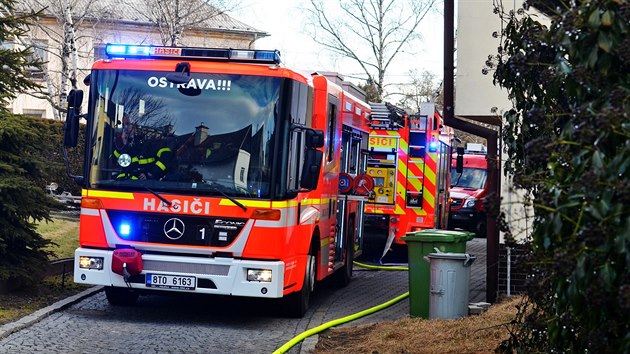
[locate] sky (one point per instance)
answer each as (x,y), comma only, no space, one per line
(284,21)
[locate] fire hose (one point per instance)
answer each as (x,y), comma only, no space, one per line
(300,337)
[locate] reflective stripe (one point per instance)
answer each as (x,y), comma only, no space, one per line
(248,203)
(160,165)
(144,161)
(127,175)
(116,154)
(108,194)
(159,153)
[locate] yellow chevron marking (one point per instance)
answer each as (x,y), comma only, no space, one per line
(415,183)
(429,174)
(429,197)
(109,194)
(420,212)
(401,188)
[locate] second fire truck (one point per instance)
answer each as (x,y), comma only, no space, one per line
(409,160)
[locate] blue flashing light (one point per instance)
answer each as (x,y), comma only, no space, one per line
(272,55)
(124,229)
(125,50)
(217,54)
(433,146)
(113,49)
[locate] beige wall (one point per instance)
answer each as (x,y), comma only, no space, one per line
(475,94)
(99,34)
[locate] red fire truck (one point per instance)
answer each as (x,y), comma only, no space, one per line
(215,171)
(409,159)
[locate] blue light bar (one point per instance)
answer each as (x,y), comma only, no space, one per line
(433,146)
(217,54)
(125,50)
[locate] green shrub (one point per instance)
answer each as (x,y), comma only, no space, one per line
(568,142)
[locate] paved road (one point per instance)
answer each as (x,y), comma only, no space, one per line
(165,324)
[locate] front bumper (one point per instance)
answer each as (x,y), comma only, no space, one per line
(221,276)
(468,219)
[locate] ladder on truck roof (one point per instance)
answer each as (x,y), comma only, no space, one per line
(386,116)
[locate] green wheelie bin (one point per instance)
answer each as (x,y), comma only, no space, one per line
(419,245)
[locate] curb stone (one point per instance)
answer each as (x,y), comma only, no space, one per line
(308,344)
(28,320)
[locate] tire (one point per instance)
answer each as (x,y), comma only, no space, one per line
(343,276)
(121,296)
(295,305)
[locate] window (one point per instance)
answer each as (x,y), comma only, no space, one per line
(39,55)
(99,52)
(332,126)
(36,113)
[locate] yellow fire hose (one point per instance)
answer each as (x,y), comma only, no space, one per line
(300,337)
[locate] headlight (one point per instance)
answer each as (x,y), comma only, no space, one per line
(91,262)
(470,202)
(260,275)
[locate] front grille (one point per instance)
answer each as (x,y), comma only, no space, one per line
(176,229)
(189,268)
(457,203)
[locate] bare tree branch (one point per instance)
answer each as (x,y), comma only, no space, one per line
(386,27)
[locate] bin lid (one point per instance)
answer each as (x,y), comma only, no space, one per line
(468,259)
(449,255)
(437,235)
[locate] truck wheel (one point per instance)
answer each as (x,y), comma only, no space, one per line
(121,296)
(296,304)
(343,276)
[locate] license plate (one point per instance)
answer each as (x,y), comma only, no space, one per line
(178,282)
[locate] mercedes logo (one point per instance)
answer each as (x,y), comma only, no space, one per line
(174,228)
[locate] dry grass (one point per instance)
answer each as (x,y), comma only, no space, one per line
(23,302)
(474,334)
(65,235)
(51,289)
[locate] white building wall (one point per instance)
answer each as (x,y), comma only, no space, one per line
(476,95)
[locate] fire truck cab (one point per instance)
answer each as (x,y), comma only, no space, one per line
(216,171)
(468,189)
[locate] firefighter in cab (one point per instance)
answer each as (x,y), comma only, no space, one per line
(137,158)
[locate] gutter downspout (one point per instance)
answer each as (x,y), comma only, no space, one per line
(492,265)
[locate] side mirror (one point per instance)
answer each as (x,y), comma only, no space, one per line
(459,162)
(71,127)
(311,169)
(314,138)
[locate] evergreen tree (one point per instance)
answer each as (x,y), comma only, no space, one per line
(23,200)
(22,163)
(14,60)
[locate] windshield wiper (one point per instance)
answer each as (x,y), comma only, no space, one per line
(236,202)
(164,200)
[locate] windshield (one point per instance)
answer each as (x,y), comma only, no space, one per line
(213,134)
(469,178)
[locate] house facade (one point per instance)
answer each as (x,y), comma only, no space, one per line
(97,23)
(480,100)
